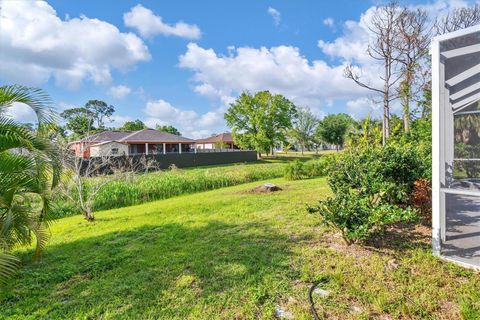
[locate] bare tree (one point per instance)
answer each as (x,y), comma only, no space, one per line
(77,186)
(457,19)
(85,178)
(383,27)
(414,32)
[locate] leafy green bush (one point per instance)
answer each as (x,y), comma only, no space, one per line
(357,217)
(390,170)
(372,189)
(297,170)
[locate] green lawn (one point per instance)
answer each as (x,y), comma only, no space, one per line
(232,254)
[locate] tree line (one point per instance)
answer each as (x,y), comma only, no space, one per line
(263,121)
(93,118)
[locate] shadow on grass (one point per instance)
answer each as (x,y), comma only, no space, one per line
(400,237)
(154,271)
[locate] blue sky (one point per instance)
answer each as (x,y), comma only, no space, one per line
(182,62)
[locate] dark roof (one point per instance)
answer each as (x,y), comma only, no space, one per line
(107,136)
(152,135)
(222,137)
(145,136)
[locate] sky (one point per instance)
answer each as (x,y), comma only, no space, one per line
(183,62)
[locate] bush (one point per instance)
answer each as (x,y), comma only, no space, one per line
(390,170)
(297,170)
(372,188)
(357,218)
(421,199)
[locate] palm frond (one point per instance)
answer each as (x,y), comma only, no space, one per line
(8,266)
(35,98)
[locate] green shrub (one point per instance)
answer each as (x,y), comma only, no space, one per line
(357,217)
(317,167)
(372,189)
(297,170)
(390,170)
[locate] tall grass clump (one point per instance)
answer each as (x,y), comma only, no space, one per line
(297,170)
(134,189)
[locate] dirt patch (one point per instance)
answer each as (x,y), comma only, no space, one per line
(395,238)
(266,188)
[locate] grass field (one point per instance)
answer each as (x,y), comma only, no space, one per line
(132,189)
(233,254)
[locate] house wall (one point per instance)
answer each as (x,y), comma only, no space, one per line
(81,149)
(106,149)
(206,146)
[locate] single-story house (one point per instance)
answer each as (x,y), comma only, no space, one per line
(218,141)
(118,143)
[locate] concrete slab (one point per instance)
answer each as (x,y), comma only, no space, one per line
(462,229)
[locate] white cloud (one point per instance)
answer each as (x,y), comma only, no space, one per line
(361,107)
(149,25)
(275,15)
(116,121)
(37,45)
(21,113)
(120,91)
(279,69)
(329,22)
(165,111)
(188,122)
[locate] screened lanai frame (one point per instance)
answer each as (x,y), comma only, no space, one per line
(456,146)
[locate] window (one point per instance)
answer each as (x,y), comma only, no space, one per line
(114,150)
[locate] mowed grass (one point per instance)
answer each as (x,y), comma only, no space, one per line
(232,254)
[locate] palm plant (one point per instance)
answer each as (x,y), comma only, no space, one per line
(29,169)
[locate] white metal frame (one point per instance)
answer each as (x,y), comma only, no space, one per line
(442,126)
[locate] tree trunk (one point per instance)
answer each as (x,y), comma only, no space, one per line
(405,98)
(386,107)
(406,116)
(89,216)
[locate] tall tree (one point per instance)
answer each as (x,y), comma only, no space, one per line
(304,128)
(168,128)
(100,111)
(79,121)
(29,169)
(383,27)
(259,121)
(414,32)
(458,18)
(133,125)
(333,129)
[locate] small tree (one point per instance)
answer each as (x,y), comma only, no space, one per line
(258,121)
(84,178)
(168,128)
(333,128)
(304,128)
